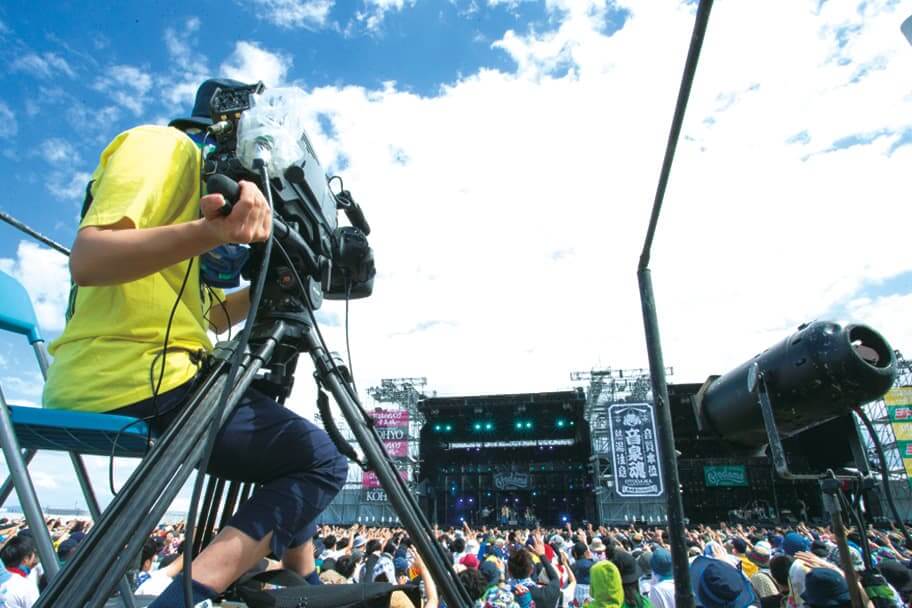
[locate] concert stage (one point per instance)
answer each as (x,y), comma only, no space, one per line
(528,451)
(539,451)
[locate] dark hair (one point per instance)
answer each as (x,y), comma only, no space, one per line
(779,569)
(329,542)
(458,545)
(579,549)
(17,550)
(632,595)
(345,566)
(390,548)
(520,564)
(149,549)
(372,545)
(474,582)
(342,543)
(328,564)
(79,526)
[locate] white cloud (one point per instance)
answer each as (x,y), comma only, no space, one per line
(46,277)
(507,169)
(68,186)
(43,479)
(311,14)
(23,386)
(56,150)
(189,66)
(250,63)
(44,65)
(375,10)
(128,86)
(8,125)
(887,312)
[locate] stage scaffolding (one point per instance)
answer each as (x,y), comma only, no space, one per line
(877,412)
(606,387)
(352,504)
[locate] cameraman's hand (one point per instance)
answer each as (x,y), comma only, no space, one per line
(250,220)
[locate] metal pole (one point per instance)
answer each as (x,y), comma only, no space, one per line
(126,594)
(26,491)
(9,219)
(684,597)
(7,487)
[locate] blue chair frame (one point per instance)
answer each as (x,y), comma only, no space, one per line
(24,430)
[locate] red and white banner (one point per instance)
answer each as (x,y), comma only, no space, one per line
(393,428)
(369,479)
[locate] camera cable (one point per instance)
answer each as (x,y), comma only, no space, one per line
(256,294)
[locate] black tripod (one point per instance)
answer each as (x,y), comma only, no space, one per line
(111,547)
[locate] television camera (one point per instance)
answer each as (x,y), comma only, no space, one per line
(335,261)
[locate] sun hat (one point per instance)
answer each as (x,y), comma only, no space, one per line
(825,587)
(718,584)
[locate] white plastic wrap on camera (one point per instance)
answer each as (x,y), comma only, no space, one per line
(273,129)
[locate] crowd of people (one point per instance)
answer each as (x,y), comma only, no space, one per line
(731,566)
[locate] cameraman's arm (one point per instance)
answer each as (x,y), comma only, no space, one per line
(237,304)
(120,252)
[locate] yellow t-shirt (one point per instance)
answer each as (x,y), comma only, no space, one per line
(103,360)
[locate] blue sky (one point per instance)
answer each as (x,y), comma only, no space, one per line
(506,152)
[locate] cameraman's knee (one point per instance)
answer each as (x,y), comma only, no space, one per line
(339,470)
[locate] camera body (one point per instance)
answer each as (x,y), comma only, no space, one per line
(304,202)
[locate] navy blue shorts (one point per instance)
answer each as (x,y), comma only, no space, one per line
(297,468)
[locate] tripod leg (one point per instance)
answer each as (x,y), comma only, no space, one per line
(207,505)
(109,548)
(230,505)
(207,524)
(404,503)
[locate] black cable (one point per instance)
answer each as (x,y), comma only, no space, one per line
(858,520)
(348,352)
(157,386)
(316,326)
(884,473)
(256,295)
(347,386)
(223,306)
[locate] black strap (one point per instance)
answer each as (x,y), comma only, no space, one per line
(87,201)
(329,424)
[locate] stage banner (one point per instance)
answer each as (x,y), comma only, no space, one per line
(393,428)
(729,475)
(512,481)
(369,479)
(898,402)
(634,450)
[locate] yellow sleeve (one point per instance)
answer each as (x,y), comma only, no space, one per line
(147,175)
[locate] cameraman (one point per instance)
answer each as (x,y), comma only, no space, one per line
(136,254)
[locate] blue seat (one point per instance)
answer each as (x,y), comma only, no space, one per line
(62,430)
(23,430)
(82,432)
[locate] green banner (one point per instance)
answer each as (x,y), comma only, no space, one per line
(728,475)
(899,408)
